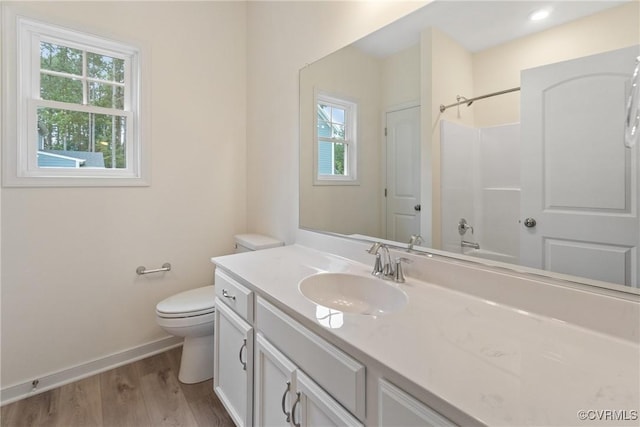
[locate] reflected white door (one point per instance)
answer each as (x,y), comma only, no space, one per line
(403,174)
(579,182)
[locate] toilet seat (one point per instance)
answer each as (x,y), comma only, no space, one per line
(191,303)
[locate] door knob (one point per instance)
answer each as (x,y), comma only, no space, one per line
(418,208)
(529,222)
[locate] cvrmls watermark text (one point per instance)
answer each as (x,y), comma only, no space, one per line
(608,415)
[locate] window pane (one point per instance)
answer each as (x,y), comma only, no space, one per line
(62,129)
(110,139)
(54,88)
(324,111)
(324,128)
(338,131)
(331,158)
(106,95)
(71,139)
(60,58)
(337,115)
(325,158)
(338,159)
(105,67)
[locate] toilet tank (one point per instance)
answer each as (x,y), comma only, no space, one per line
(255,242)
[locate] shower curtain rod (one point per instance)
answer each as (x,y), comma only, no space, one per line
(470,101)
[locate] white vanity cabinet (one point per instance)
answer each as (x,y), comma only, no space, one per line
(396,408)
(325,385)
(233,349)
(285,396)
(271,370)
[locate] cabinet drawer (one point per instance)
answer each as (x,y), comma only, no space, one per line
(336,372)
(236,296)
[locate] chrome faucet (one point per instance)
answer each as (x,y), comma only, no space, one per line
(466,244)
(383,266)
(415,239)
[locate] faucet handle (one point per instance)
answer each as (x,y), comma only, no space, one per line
(377,267)
(399,275)
(463,226)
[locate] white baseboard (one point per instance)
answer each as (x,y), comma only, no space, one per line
(23,390)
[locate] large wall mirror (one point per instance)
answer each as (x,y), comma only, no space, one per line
(486,132)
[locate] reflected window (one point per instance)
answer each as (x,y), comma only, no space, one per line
(329,318)
(335,140)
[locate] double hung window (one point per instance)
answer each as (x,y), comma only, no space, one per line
(335,140)
(78,108)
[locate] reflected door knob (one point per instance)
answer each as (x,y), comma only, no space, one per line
(418,208)
(529,222)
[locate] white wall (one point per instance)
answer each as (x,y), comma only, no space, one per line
(282,38)
(69,289)
(401,77)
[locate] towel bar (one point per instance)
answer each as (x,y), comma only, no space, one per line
(143,270)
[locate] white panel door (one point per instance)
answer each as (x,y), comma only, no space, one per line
(579,181)
(233,364)
(403,174)
(274,385)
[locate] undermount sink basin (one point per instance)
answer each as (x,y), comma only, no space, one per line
(351,293)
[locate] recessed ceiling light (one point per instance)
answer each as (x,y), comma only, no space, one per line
(539,15)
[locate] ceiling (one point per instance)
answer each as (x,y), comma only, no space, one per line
(478,24)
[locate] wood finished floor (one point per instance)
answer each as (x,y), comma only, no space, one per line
(143,393)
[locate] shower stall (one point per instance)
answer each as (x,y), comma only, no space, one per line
(480,181)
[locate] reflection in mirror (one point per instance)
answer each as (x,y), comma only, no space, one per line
(471,111)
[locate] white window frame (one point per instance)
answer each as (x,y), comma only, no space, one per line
(21,73)
(350,139)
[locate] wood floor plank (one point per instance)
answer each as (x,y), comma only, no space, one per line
(209,411)
(153,364)
(163,396)
(38,410)
(141,394)
(205,405)
(80,404)
(174,355)
(123,404)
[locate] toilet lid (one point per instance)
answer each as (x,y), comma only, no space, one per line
(188,303)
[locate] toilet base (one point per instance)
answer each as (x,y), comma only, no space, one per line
(196,364)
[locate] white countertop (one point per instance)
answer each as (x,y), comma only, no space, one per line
(498,364)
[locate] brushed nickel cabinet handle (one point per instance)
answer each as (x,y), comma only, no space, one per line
(284,399)
(244,364)
(227,295)
(293,411)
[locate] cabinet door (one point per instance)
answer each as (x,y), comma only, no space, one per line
(314,407)
(396,408)
(233,364)
(274,385)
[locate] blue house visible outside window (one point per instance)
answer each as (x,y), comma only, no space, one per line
(69,159)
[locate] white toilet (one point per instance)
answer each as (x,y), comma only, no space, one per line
(190,314)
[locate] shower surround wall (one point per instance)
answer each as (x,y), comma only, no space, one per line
(480,182)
